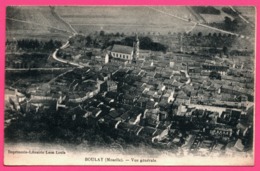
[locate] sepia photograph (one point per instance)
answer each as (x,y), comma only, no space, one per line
(130,85)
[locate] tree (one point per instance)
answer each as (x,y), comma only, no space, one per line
(226,51)
(117,34)
(88,40)
(102,33)
(227,20)
(215,75)
(231,25)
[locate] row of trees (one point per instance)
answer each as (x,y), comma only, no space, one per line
(231,25)
(206,10)
(145,43)
(103,40)
(229,11)
(35,44)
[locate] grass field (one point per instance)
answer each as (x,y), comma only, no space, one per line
(23,22)
(216,18)
(126,19)
(40,22)
(248,12)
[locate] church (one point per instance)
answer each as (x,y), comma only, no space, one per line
(125,54)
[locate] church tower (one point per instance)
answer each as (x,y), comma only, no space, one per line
(136,48)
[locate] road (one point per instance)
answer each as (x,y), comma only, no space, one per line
(187,76)
(34,69)
(52,80)
(43,25)
(54,55)
(54,13)
(243,18)
(194,22)
(67,44)
(210,108)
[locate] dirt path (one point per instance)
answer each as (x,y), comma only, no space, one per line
(28,22)
(199,24)
(58,17)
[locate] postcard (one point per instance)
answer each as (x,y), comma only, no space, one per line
(130,85)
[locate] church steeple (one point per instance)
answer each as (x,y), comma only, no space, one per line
(136,48)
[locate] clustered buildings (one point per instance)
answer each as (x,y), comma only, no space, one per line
(166,99)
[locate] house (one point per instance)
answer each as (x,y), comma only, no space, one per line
(151,117)
(134,129)
(194,70)
(142,101)
(167,82)
(222,132)
(135,118)
(242,129)
(176,84)
(164,125)
(161,87)
(156,97)
(151,104)
(182,98)
(111,85)
(144,54)
(123,126)
(14,97)
(127,129)
(147,132)
(184,110)
(194,99)
(229,117)
(209,68)
(239,145)
(205,147)
(160,135)
(112,95)
(128,99)
(37,104)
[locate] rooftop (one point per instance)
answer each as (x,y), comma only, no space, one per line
(122,49)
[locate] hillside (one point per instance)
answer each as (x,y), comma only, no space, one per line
(148,19)
(126,19)
(40,22)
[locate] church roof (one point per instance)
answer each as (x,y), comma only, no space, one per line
(122,49)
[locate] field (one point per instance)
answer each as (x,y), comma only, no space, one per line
(43,23)
(127,19)
(24,22)
(140,19)
(216,18)
(248,12)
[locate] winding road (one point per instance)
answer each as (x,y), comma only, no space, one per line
(54,55)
